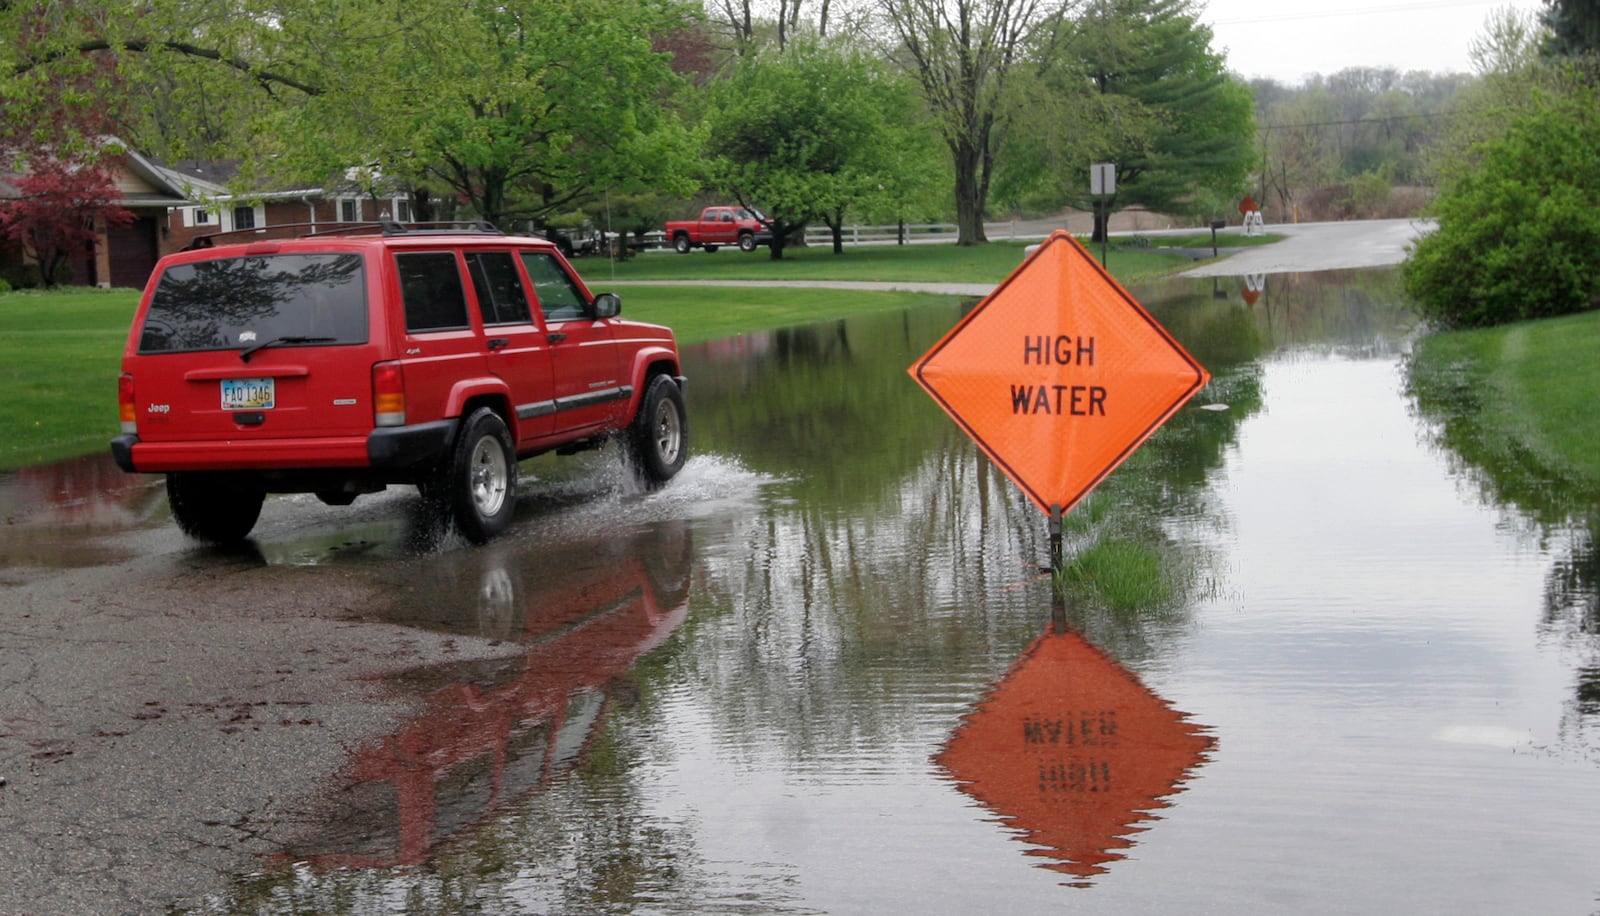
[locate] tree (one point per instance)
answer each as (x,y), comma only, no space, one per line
(1573,28)
(804,133)
(62,206)
(1170,117)
(1518,230)
(518,110)
(514,110)
(963,52)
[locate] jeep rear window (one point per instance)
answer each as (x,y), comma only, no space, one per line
(430,286)
(233,302)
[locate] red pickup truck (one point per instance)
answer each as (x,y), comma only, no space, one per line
(719,226)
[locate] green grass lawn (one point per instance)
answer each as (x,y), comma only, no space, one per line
(60,351)
(59,360)
(1533,388)
(929,263)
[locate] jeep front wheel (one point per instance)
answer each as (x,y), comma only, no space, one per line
(680,243)
(216,508)
(478,482)
(747,242)
(658,439)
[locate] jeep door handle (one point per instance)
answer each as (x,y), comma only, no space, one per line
(496,343)
(555,337)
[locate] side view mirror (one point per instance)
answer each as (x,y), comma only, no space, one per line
(607,305)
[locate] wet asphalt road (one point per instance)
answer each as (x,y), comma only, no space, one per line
(168,712)
(166,707)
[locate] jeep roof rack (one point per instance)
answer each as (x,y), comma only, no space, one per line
(386,227)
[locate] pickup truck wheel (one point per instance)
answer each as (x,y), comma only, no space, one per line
(478,483)
(680,244)
(216,508)
(658,439)
(747,241)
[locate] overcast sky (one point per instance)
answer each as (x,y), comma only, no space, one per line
(1288,39)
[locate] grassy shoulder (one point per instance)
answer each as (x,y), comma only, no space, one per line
(60,354)
(1528,389)
(884,263)
(60,351)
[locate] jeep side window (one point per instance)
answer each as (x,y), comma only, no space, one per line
(559,298)
(499,288)
(430,287)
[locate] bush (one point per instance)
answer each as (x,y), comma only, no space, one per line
(1518,235)
(21,276)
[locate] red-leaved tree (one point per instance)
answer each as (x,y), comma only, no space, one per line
(60,208)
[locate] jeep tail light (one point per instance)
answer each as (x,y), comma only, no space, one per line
(125,409)
(388,395)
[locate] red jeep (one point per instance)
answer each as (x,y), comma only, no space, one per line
(342,362)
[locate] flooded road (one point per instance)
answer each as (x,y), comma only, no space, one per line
(1314,661)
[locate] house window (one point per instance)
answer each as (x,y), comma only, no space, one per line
(402,209)
(200,217)
(244,218)
(349,210)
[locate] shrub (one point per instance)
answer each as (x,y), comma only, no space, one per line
(21,276)
(1518,234)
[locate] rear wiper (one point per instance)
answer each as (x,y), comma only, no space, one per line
(247,352)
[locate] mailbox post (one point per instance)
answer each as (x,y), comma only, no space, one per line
(1215,225)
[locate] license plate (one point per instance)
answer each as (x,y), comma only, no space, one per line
(248,394)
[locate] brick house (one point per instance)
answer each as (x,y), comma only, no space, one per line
(212,207)
(120,257)
(176,202)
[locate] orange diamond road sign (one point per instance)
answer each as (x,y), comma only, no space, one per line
(1059,374)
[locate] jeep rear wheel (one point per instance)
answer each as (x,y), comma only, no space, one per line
(216,508)
(658,439)
(478,483)
(680,243)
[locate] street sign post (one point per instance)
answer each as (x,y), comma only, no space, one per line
(1059,375)
(1103,184)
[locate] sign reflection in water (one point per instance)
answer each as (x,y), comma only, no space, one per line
(492,732)
(1073,751)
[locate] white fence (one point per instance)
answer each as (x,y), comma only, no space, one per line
(853,235)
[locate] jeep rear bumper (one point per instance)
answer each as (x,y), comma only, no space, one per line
(398,448)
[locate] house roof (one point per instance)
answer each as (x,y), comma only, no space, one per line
(209,180)
(140,182)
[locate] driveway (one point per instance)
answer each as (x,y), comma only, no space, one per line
(1321,246)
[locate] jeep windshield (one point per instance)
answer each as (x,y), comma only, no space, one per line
(241,303)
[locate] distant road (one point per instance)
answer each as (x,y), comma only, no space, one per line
(1305,247)
(1321,246)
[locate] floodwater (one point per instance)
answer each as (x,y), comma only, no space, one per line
(817,673)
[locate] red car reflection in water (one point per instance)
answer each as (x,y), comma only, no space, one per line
(1073,751)
(89,491)
(496,731)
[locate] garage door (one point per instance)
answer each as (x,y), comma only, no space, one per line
(133,253)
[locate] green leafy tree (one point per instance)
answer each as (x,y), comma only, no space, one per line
(1519,228)
(1169,116)
(806,133)
(963,53)
(1574,28)
(511,110)
(517,110)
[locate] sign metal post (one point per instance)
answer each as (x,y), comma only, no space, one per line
(1103,184)
(1058,376)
